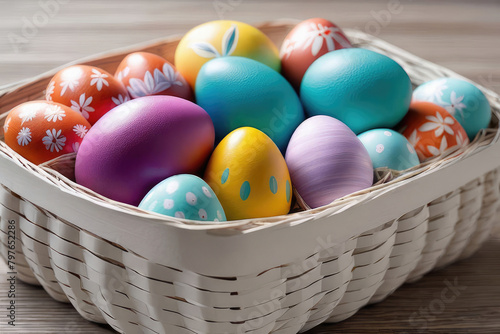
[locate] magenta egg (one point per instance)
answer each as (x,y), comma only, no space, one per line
(142,142)
(327,161)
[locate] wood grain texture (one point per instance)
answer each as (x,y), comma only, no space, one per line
(461,35)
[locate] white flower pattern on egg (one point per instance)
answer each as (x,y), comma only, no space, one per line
(24,137)
(180,214)
(69,83)
(98,79)
(320,33)
(83,106)
(54,140)
(379,148)
(54,113)
(27,115)
(442,147)
(438,124)
(154,83)
(80,130)
(120,99)
(455,104)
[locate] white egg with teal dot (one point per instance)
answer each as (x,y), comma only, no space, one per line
(388,148)
(463,100)
(184,196)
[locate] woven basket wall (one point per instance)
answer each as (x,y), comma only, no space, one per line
(145,273)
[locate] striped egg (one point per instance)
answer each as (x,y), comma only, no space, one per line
(327,161)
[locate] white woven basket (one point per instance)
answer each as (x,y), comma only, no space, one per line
(146,273)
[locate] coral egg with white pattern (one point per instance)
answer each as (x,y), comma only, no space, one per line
(432,130)
(89,90)
(308,41)
(144,74)
(464,101)
(41,130)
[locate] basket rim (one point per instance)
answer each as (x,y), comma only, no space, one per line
(69,186)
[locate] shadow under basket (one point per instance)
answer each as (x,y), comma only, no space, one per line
(145,273)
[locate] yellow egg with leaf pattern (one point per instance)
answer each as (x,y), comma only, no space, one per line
(220,39)
(249,175)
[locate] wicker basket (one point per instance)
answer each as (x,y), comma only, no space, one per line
(146,273)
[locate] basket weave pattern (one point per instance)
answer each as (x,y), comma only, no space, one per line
(110,283)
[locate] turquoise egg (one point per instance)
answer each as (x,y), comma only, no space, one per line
(462,99)
(388,148)
(184,196)
(362,88)
(238,92)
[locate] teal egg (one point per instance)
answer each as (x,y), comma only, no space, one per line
(238,92)
(184,196)
(388,148)
(463,100)
(362,88)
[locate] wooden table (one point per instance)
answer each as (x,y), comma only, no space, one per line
(457,34)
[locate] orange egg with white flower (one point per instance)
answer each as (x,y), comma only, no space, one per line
(43,130)
(432,130)
(145,74)
(306,42)
(89,90)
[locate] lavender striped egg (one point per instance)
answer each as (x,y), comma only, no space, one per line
(327,161)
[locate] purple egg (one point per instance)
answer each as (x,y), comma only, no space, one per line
(142,142)
(327,161)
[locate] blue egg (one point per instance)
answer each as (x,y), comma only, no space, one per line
(184,196)
(463,100)
(362,88)
(238,92)
(388,148)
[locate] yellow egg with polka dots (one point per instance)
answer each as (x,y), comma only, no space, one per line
(220,39)
(249,175)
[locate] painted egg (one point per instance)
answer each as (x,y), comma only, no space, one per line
(42,130)
(220,39)
(461,99)
(432,130)
(184,196)
(89,90)
(142,142)
(388,148)
(308,41)
(362,88)
(249,176)
(327,161)
(238,92)
(145,74)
